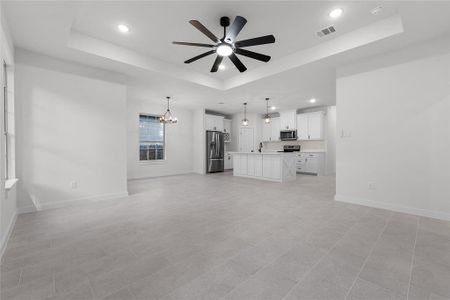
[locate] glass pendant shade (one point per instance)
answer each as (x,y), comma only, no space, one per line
(245,120)
(168,118)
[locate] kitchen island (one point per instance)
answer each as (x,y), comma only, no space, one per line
(272,166)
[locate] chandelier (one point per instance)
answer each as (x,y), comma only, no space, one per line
(167,118)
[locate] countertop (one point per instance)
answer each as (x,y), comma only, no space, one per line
(266,153)
(297,152)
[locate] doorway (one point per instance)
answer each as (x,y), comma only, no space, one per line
(246,142)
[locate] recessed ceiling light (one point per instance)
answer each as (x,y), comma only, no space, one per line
(336,13)
(221,67)
(377,10)
(273,108)
(123,28)
(312,100)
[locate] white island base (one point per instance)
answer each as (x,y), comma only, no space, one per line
(270,166)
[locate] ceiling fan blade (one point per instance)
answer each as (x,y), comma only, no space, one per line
(237,62)
(216,64)
(193,44)
(204,30)
(252,54)
(267,39)
(238,23)
(199,56)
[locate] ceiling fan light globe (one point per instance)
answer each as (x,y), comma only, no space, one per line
(224,50)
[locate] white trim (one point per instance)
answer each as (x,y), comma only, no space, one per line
(5,239)
(153,162)
(9,183)
(395,207)
(71,202)
(165,175)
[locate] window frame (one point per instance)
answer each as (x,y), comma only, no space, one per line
(152,161)
(5,120)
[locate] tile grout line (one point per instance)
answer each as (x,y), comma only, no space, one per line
(263,267)
(368,256)
(413,259)
(322,258)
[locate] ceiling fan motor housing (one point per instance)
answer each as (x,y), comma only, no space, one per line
(224,21)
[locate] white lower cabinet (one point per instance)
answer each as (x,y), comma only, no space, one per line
(228,161)
(273,167)
(240,164)
(311,163)
(254,165)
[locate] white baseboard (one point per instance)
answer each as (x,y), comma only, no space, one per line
(161,176)
(395,207)
(72,202)
(4,241)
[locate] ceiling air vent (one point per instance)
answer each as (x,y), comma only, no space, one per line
(326,31)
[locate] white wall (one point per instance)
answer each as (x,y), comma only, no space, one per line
(199,142)
(8,199)
(71,128)
(395,119)
(178,141)
(330,140)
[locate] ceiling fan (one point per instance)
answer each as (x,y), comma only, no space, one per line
(227,45)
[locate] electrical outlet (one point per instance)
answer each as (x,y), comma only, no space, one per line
(73,184)
(370,185)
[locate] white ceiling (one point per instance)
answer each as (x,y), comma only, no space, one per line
(154,25)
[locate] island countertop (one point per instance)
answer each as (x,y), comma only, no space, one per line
(265,153)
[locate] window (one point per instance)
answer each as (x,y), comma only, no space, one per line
(151,138)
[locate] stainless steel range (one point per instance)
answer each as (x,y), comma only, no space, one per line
(291,148)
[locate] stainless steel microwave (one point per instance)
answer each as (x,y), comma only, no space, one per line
(288,135)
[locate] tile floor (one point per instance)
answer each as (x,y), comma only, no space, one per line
(221,237)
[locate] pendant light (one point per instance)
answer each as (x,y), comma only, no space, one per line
(267,116)
(167,118)
(245,120)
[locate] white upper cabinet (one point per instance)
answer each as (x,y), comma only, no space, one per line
(310,126)
(288,120)
(271,131)
(275,129)
(226,125)
(302,126)
(315,125)
(214,122)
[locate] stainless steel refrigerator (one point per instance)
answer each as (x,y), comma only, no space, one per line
(214,151)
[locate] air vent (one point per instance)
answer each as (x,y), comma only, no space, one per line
(326,31)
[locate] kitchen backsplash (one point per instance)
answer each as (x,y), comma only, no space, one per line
(304,145)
